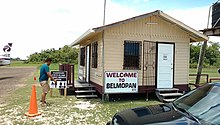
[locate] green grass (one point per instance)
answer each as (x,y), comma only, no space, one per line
(212,72)
(53,66)
(62,110)
(21,63)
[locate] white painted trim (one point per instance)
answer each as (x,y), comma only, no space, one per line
(83,36)
(87,63)
(165,66)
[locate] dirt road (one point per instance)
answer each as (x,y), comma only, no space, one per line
(12,78)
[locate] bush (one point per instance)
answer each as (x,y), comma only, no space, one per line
(205,65)
(65,54)
(193,65)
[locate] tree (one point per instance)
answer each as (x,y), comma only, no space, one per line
(194,53)
(65,54)
(212,53)
(212,56)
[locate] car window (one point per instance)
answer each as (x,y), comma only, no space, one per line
(204,103)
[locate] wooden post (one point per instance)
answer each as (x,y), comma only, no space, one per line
(208,32)
(51,93)
(103,97)
(202,54)
(200,63)
(65,92)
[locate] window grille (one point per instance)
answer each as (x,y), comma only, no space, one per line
(82,56)
(132,54)
(94,55)
(149,62)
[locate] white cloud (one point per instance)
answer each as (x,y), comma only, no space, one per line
(116,12)
(34,25)
(196,18)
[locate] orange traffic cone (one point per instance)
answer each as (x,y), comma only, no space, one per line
(33,109)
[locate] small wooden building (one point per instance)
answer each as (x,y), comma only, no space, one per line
(137,55)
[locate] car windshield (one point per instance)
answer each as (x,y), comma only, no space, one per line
(203,103)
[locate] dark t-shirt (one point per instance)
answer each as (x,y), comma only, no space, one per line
(43,72)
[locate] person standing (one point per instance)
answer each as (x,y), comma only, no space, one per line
(43,79)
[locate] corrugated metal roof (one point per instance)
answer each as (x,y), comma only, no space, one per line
(195,35)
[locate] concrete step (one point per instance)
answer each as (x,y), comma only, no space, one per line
(81,81)
(85,91)
(168,100)
(167,89)
(86,96)
(84,86)
(170,94)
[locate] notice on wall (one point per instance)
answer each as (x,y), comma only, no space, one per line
(121,82)
(61,77)
(165,56)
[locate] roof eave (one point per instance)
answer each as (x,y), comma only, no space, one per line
(199,36)
(195,35)
(101,28)
(82,37)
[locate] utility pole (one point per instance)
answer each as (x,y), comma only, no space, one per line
(103,70)
(201,61)
(214,31)
(104,12)
(202,54)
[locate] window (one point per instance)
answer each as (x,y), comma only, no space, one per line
(132,53)
(82,56)
(94,55)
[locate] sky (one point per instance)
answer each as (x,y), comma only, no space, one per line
(36,25)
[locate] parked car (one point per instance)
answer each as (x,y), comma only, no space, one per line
(198,107)
(4,60)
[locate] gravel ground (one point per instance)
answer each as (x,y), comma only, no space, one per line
(12,78)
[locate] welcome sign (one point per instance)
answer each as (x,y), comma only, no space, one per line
(121,82)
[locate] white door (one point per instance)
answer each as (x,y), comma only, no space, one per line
(165,65)
(87,63)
